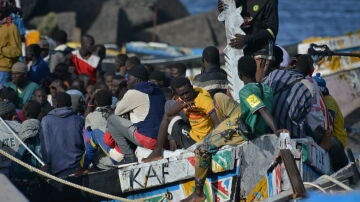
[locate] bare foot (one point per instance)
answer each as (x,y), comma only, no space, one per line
(154,156)
(194,197)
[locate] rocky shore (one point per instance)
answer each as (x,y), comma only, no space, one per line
(119,21)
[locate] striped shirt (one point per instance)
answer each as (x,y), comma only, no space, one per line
(291,102)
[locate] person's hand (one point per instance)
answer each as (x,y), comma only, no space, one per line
(237,42)
(220,6)
(326,140)
(173,145)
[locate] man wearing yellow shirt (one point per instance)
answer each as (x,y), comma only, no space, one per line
(199,109)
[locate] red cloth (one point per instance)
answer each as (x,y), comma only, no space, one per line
(109,141)
(145,141)
(85,66)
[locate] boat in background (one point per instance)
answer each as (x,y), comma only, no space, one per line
(342,74)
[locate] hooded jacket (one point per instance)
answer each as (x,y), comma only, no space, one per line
(145,102)
(62,144)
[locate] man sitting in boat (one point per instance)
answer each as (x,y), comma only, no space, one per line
(212,78)
(253,110)
(97,150)
(199,109)
(145,102)
(297,107)
(62,144)
(7,141)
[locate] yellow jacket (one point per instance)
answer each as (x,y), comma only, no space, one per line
(10,46)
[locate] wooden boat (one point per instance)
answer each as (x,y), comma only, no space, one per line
(236,172)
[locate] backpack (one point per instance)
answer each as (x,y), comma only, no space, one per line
(318,120)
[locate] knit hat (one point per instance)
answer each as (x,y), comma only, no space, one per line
(6,107)
(140,72)
(321,83)
(19,67)
(319,80)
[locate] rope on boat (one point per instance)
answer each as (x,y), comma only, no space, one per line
(45,174)
(316,186)
(337,182)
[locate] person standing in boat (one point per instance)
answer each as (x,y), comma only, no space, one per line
(261,24)
(144,101)
(254,109)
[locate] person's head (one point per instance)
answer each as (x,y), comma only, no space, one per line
(19,73)
(60,37)
(103,98)
(44,48)
(57,86)
(108,77)
(62,71)
(137,74)
(78,84)
(149,68)
(120,61)
(32,109)
(183,88)
(157,77)
(5,8)
(87,45)
(8,93)
(85,78)
(100,51)
(247,69)
(211,57)
(40,96)
(7,110)
(304,64)
(131,62)
(62,99)
(33,51)
(118,83)
(178,70)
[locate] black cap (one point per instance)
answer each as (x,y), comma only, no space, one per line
(140,72)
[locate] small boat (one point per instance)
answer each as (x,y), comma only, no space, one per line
(236,173)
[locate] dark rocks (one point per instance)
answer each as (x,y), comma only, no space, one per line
(111,25)
(119,21)
(47,24)
(193,31)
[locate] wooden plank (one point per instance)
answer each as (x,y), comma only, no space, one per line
(293,173)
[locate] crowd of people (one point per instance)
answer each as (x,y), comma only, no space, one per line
(78,118)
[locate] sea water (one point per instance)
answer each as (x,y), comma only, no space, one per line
(300,19)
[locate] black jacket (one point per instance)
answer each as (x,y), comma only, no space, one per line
(261,23)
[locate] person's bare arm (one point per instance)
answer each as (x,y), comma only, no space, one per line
(269,120)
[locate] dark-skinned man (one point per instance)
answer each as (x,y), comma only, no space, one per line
(199,109)
(261,24)
(254,109)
